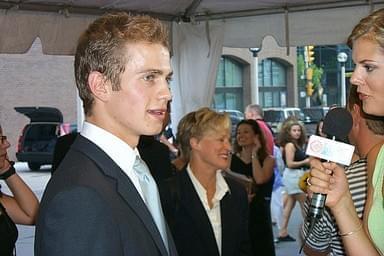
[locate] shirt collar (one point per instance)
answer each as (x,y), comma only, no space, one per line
(120,152)
(221,186)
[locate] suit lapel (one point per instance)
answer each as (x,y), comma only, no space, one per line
(228,220)
(194,207)
(125,187)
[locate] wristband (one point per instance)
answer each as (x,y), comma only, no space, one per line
(8,173)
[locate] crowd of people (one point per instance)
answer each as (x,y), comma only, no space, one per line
(120,187)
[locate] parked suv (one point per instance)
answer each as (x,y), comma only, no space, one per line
(274,117)
(38,138)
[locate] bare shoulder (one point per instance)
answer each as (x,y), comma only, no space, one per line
(371,158)
(290,146)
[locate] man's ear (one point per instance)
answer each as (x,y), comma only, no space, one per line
(98,85)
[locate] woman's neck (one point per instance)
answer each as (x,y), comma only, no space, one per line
(246,154)
(204,174)
(247,149)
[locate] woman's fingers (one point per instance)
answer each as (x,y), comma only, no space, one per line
(315,163)
(320,179)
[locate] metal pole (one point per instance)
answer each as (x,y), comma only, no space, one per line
(343,90)
(342,58)
(256,76)
(307,98)
(306,62)
(255,82)
(308,101)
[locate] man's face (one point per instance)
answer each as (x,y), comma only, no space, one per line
(139,107)
(249,114)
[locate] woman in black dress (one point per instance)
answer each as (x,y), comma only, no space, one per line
(21,208)
(252,159)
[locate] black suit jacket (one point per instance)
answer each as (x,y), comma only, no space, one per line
(62,146)
(190,225)
(91,207)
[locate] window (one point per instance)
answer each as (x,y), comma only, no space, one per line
(272,83)
(229,85)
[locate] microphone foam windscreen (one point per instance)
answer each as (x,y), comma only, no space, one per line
(338,123)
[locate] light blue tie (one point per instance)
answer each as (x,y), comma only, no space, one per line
(151,197)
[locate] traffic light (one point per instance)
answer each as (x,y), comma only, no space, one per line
(310,49)
(309,88)
(309,73)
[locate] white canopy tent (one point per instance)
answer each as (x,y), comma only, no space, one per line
(200,28)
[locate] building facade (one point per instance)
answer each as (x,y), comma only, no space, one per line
(276,84)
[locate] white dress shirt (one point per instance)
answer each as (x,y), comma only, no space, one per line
(213,213)
(120,152)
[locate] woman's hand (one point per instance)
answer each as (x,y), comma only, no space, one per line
(329,178)
(4,163)
(256,145)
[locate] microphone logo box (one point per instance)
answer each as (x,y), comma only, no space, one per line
(330,150)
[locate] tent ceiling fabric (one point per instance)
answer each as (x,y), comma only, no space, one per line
(58,23)
(172,9)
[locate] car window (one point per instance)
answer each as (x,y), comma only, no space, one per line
(315,114)
(273,116)
(298,114)
(42,132)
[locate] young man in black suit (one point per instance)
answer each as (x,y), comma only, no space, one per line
(99,201)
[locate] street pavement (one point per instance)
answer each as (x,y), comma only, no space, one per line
(37,180)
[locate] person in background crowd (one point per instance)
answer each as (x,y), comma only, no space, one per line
(166,136)
(252,159)
(255,112)
(102,199)
(360,237)
(325,238)
(180,162)
(21,208)
(291,139)
(278,192)
(156,155)
(319,128)
(207,213)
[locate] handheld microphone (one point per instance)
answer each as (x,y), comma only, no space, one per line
(337,124)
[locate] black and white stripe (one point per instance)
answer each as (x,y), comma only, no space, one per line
(324,236)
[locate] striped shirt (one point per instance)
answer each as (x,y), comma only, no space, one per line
(324,236)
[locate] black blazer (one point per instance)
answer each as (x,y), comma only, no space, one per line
(91,207)
(62,146)
(189,223)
